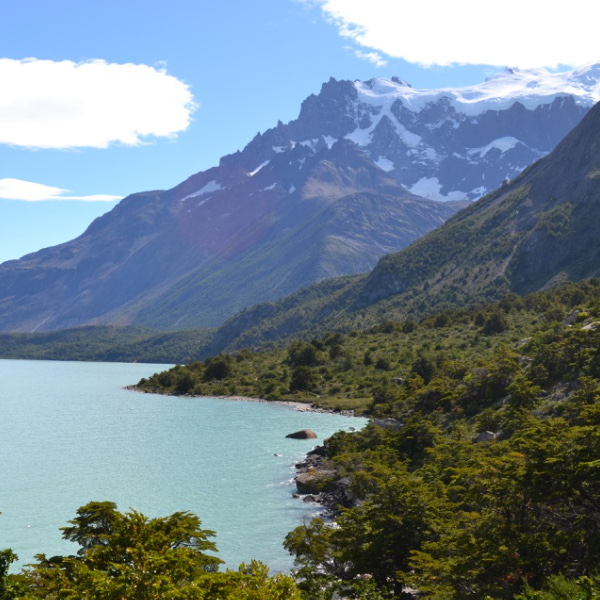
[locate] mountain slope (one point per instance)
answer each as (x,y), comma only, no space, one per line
(537,231)
(325,195)
(167,261)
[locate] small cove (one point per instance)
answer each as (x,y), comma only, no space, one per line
(71,433)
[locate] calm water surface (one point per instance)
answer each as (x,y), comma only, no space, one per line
(70,433)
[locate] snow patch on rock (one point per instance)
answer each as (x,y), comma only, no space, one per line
(431,188)
(385,164)
(211,186)
(259,168)
(329,140)
(503,144)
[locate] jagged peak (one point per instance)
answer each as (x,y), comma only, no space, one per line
(400,81)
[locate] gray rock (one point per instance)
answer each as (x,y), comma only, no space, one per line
(486,436)
(311,498)
(308,483)
(572,318)
(388,423)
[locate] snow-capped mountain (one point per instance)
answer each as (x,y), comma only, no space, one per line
(540,230)
(356,176)
(444,144)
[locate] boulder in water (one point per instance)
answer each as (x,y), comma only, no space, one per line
(303,434)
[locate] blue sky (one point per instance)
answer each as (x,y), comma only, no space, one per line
(102,99)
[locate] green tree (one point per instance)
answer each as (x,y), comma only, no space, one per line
(250,582)
(559,587)
(495,323)
(7,587)
(217,367)
(302,379)
(126,556)
(185,383)
(304,354)
(425,367)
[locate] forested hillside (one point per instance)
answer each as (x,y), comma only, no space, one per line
(480,473)
(478,477)
(107,344)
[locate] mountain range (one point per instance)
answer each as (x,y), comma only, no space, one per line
(365,170)
(539,230)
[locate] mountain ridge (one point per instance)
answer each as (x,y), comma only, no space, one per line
(283,212)
(533,233)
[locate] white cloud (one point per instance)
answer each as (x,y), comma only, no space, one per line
(17,189)
(440,32)
(47,104)
(373,57)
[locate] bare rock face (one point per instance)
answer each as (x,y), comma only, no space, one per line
(486,436)
(308,483)
(314,481)
(303,434)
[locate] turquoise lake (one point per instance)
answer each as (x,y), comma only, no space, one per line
(71,433)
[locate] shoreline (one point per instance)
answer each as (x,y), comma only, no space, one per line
(294,404)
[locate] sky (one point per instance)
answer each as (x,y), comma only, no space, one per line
(103,99)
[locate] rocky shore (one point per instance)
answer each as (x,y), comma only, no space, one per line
(316,481)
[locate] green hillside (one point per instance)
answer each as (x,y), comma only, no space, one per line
(347,371)
(480,473)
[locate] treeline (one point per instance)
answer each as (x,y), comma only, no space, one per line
(106,344)
(480,474)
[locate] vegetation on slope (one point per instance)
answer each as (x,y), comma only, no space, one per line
(106,344)
(362,369)
(480,474)
(478,478)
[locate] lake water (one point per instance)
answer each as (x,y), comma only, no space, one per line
(70,433)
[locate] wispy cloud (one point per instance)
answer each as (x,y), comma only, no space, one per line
(17,189)
(48,104)
(439,32)
(373,57)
